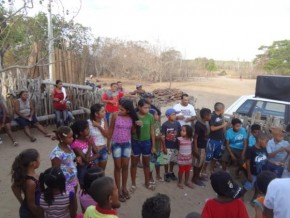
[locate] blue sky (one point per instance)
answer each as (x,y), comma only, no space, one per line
(219,29)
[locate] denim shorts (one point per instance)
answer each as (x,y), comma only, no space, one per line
(214,149)
(121,150)
(22,122)
(103,156)
(141,147)
(250,184)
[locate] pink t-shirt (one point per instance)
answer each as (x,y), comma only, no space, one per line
(83,145)
(122,129)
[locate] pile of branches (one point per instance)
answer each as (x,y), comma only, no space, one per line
(166,96)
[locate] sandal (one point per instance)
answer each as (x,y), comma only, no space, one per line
(15,143)
(122,198)
(150,187)
(33,139)
(126,195)
(160,179)
(132,189)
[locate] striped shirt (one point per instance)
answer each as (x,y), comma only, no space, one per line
(59,207)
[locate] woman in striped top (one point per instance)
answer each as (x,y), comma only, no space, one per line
(54,200)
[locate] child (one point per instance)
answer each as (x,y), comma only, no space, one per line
(121,126)
(54,200)
(227,202)
(143,143)
(236,145)
(156,206)
(278,150)
(5,123)
(90,176)
(83,147)
(255,130)
(105,193)
(200,139)
(262,182)
(216,135)
(256,160)
(99,132)
(63,156)
(170,130)
(25,180)
(156,159)
(184,157)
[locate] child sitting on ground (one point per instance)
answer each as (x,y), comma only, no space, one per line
(262,182)
(227,202)
(157,206)
(105,193)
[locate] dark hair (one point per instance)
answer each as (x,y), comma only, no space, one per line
(184,95)
(113,84)
(255,127)
(142,102)
(96,108)
(263,180)
(58,81)
(157,206)
(90,176)
(262,136)
(21,164)
(236,121)
(204,112)
(119,82)
(219,106)
(287,128)
(78,127)
(189,131)
(101,189)
(21,92)
(50,180)
(62,132)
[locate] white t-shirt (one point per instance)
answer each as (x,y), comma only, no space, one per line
(277,197)
(99,139)
(187,111)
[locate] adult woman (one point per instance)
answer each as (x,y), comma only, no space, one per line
(59,104)
(25,115)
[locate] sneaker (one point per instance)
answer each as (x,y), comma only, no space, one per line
(167,177)
(173,177)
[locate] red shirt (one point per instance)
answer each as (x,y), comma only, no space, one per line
(115,96)
(232,209)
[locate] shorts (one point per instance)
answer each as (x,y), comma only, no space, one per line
(108,117)
(214,149)
(24,212)
(156,159)
(22,122)
(250,184)
(198,162)
(184,169)
(121,150)
(278,170)
(141,147)
(171,156)
(103,156)
(237,153)
(7,120)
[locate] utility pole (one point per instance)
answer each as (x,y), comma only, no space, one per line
(50,41)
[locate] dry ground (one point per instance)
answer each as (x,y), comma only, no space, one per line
(206,91)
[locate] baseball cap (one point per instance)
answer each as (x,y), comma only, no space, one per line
(223,184)
(170,111)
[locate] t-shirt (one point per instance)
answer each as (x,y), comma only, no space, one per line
(145,133)
(67,166)
(95,132)
(200,129)
(258,159)
(86,200)
(272,146)
(122,129)
(115,96)
(277,197)
(97,212)
(171,130)
(252,141)
(232,209)
(187,111)
(59,207)
(80,144)
(216,120)
(236,139)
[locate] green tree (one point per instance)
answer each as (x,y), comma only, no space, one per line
(210,65)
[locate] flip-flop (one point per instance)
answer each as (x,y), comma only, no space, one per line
(126,195)
(132,189)
(15,143)
(150,187)
(33,139)
(122,198)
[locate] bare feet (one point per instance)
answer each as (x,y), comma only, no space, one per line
(189,185)
(179,185)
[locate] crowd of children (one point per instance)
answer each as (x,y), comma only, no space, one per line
(81,156)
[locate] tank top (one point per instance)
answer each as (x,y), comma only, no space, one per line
(184,156)
(57,104)
(122,129)
(24,108)
(99,139)
(37,190)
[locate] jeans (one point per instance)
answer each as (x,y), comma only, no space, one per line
(61,117)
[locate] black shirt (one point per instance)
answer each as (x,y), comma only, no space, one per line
(216,120)
(258,159)
(201,130)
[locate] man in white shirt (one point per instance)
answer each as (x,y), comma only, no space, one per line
(186,112)
(277,199)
